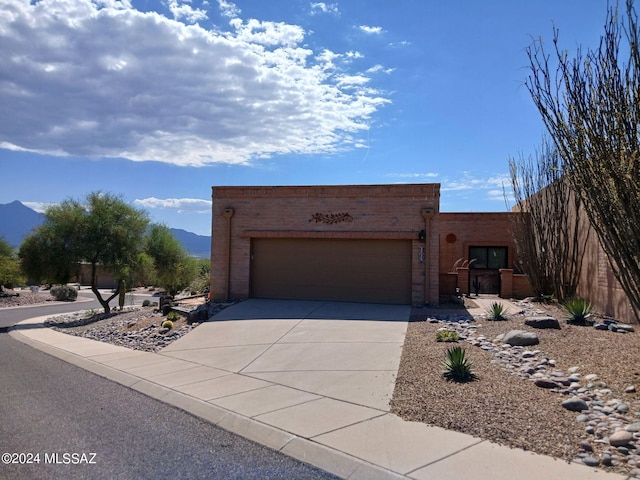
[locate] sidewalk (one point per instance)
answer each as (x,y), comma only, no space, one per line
(310,379)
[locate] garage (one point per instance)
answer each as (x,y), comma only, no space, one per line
(332,269)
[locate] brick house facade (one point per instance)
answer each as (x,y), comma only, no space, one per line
(353,243)
(368,243)
(466,240)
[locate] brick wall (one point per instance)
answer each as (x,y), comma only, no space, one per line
(459,231)
(376,211)
(599,286)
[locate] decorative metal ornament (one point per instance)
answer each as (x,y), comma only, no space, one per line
(331,218)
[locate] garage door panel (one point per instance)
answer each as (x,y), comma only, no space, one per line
(332,269)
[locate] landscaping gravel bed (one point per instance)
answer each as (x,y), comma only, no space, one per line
(23,298)
(135,328)
(517,399)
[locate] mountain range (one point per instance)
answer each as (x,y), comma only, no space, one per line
(18,220)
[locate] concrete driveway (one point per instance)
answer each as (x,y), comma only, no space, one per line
(305,350)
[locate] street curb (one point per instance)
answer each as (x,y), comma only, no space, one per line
(332,461)
(80,299)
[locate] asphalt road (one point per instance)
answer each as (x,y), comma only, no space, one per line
(79,425)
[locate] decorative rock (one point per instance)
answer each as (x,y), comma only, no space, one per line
(582,418)
(563,381)
(575,404)
(591,461)
(633,427)
(547,383)
(622,408)
(630,389)
(606,459)
(521,338)
(620,438)
(586,446)
(542,322)
(625,327)
(591,377)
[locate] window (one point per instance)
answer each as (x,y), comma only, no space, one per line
(490,258)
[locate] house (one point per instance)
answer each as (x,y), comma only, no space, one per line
(359,243)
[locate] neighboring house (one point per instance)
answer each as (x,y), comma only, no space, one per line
(105,278)
(361,243)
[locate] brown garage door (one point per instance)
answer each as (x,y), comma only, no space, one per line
(352,270)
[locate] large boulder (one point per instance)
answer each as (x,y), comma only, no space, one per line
(521,338)
(542,322)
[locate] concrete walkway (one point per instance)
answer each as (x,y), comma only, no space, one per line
(310,379)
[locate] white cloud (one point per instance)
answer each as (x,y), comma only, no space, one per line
(187,12)
(321,7)
(101,79)
(229,9)
(350,80)
(413,175)
(371,30)
(379,68)
(182,205)
(489,188)
(268,33)
(39,207)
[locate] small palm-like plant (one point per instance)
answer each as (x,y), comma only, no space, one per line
(579,310)
(497,311)
(457,366)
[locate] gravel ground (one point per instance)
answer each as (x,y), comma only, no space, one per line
(24,298)
(135,328)
(505,408)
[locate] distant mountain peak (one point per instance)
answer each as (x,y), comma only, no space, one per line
(17,221)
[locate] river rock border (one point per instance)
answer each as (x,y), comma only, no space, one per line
(608,421)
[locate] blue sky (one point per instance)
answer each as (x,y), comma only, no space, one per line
(160,101)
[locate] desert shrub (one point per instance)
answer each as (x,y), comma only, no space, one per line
(64,293)
(146,303)
(167,324)
(457,366)
(173,316)
(447,336)
(497,311)
(579,311)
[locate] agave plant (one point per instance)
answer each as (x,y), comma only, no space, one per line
(579,310)
(497,311)
(457,366)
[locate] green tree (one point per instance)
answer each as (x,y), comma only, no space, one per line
(10,272)
(590,105)
(174,268)
(103,231)
(50,254)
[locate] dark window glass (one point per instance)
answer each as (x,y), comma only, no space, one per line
(492,258)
